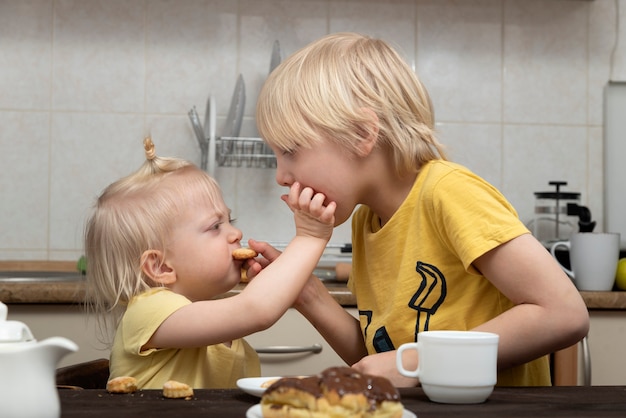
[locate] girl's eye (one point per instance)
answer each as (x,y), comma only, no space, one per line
(218,224)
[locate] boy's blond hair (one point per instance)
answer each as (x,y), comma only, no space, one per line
(131,216)
(321,90)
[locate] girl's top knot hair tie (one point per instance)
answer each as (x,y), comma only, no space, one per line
(148,146)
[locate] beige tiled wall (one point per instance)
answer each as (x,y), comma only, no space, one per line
(517,87)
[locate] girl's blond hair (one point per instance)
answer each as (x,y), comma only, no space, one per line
(131,216)
(321,91)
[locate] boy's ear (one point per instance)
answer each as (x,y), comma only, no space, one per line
(155,267)
(369,133)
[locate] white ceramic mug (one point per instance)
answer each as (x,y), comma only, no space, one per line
(593,258)
(454,366)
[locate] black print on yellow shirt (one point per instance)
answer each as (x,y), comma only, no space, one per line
(429,295)
(368,315)
(381,340)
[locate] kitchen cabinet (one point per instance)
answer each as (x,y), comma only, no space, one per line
(607,347)
(70,321)
(605,343)
(293,330)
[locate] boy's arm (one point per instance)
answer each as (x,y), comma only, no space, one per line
(340,329)
(549,314)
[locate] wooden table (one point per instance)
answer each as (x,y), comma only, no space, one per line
(574,401)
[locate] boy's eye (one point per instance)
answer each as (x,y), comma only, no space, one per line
(289,151)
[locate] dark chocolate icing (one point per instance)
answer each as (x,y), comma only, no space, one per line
(346,380)
(342,380)
(304,384)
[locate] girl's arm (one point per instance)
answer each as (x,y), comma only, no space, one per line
(266,298)
(340,329)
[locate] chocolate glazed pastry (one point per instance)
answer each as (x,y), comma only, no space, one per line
(336,392)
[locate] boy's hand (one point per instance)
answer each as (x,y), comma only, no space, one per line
(384,364)
(312,218)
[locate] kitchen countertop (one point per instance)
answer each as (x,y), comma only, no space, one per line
(615,300)
(73,292)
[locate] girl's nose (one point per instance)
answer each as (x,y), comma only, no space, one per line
(236,234)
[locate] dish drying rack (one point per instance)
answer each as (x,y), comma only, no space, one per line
(244,152)
(228,151)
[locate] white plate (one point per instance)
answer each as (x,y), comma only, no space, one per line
(256,412)
(252,385)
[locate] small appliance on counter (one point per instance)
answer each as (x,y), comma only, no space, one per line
(558,215)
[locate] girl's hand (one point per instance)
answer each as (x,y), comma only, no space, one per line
(311,216)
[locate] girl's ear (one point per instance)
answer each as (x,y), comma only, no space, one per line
(155,267)
(369,133)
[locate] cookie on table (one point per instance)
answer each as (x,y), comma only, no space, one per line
(175,390)
(122,384)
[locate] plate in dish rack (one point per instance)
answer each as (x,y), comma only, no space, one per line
(256,412)
(255,385)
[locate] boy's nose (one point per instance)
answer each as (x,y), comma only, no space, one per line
(282,177)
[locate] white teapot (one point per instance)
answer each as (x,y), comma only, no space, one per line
(28,370)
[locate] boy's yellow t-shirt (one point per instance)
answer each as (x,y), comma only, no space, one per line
(415,273)
(215,366)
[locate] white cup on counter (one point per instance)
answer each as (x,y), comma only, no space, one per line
(593,259)
(455,367)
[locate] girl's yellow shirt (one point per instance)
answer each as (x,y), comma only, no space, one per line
(215,366)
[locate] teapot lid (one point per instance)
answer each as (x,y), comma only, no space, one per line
(13,331)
